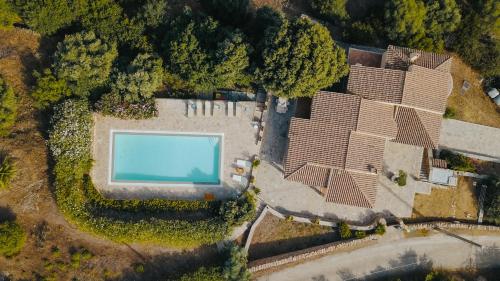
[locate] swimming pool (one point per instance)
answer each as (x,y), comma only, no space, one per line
(165,158)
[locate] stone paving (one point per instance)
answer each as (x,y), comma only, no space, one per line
(296,198)
(239,143)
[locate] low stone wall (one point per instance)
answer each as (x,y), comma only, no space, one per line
(451,225)
(302,255)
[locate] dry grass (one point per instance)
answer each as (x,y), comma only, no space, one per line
(276,236)
(459,202)
(474,106)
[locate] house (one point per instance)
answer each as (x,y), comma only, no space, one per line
(339,148)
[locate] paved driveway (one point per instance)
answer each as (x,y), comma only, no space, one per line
(474,140)
(388,257)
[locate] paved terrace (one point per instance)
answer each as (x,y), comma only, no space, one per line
(239,143)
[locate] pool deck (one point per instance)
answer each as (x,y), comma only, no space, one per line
(239,143)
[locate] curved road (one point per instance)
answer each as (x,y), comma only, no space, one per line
(389,256)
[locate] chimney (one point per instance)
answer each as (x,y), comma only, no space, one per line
(414,56)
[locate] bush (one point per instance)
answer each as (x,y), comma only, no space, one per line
(12,238)
(288,218)
(331,9)
(204,274)
(380,229)
(360,234)
(492,198)
(449,113)
(256,190)
(49,89)
(345,232)
(113,104)
(401,180)
(8,108)
(316,220)
(7,15)
(139,268)
(235,268)
(255,163)
(7,170)
(457,161)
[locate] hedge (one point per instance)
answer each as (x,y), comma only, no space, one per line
(172,223)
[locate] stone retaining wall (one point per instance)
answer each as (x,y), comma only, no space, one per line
(451,225)
(301,255)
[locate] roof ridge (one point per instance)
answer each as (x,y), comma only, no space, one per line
(419,123)
(360,189)
(426,129)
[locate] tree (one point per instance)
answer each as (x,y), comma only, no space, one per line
(153,13)
(203,55)
(233,12)
(7,170)
(492,198)
(476,38)
(141,78)
(49,89)
(7,15)
(345,231)
(331,9)
(438,276)
(236,212)
(49,16)
(8,108)
(299,59)
(404,21)
(204,274)
(442,19)
(84,61)
(235,268)
(12,238)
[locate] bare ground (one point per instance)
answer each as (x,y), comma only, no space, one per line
(31,201)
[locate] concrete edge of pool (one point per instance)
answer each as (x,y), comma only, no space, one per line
(152,183)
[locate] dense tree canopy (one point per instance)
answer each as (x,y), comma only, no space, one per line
(8,15)
(204,55)
(235,268)
(141,78)
(153,13)
(8,108)
(49,89)
(332,9)
(48,16)
(299,58)
(84,61)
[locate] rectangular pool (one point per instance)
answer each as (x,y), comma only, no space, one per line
(166,158)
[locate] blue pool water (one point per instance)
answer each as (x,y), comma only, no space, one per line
(145,157)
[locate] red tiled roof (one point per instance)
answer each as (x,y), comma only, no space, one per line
(426,88)
(377,118)
(365,153)
(376,83)
(366,58)
(417,127)
(350,188)
(399,58)
(311,174)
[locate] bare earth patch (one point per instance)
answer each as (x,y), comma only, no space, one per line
(474,106)
(459,202)
(275,236)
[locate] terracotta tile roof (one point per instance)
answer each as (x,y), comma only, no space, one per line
(351,188)
(366,58)
(337,108)
(439,163)
(311,174)
(376,83)
(399,58)
(377,118)
(426,88)
(365,153)
(417,127)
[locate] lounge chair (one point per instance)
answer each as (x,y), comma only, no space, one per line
(240,179)
(199,108)
(220,108)
(243,163)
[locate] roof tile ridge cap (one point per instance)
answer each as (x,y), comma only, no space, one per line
(359,189)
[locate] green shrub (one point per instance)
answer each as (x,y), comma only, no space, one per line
(114,104)
(12,238)
(256,190)
(315,220)
(56,252)
(8,108)
(331,9)
(7,170)
(235,268)
(256,163)
(288,218)
(449,113)
(345,232)
(138,268)
(86,254)
(7,15)
(457,161)
(204,274)
(401,180)
(360,234)
(380,229)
